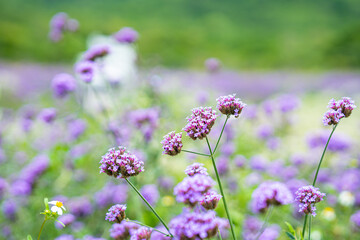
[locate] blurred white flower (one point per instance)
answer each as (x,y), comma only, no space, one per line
(329,214)
(316,235)
(58,207)
(346,198)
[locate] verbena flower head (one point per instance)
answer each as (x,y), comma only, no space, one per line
(270,193)
(200,122)
(142,233)
(58,21)
(191,189)
(212,64)
(85,69)
(229,105)
(62,84)
(332,117)
(120,163)
(123,230)
(116,213)
(96,51)
(48,115)
(307,197)
(210,200)
(345,105)
(172,143)
(194,225)
(355,218)
(196,168)
(126,35)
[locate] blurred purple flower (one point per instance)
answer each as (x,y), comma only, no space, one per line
(212,64)
(9,209)
(76,128)
(80,206)
(48,115)
(126,35)
(85,69)
(96,51)
(62,84)
(150,193)
(66,219)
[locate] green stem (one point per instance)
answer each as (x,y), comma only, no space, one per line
(220,238)
(152,209)
(222,130)
(42,226)
(309,228)
(221,191)
(323,154)
(154,229)
(304,227)
(263,227)
(201,154)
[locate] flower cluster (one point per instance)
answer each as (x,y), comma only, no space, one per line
(116,213)
(146,120)
(196,225)
(172,143)
(355,218)
(47,115)
(121,163)
(200,122)
(270,193)
(210,200)
(61,23)
(196,168)
(229,105)
(96,52)
(62,84)
(126,35)
(142,233)
(212,64)
(338,110)
(307,197)
(86,70)
(121,231)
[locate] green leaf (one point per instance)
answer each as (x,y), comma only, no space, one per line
(291,236)
(29,237)
(291,229)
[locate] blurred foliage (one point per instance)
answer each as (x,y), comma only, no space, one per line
(183,33)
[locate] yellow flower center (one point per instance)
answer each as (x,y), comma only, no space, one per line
(59,204)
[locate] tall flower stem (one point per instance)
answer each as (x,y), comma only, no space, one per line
(149,205)
(316,174)
(42,226)
(323,154)
(263,227)
(309,228)
(153,229)
(221,191)
(201,154)
(222,130)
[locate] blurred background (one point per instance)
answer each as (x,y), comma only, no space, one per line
(285,59)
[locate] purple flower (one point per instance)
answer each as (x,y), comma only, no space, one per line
(270,233)
(150,193)
(194,225)
(55,35)
(9,209)
(86,70)
(65,237)
(355,218)
(76,128)
(126,35)
(200,122)
(212,64)
(111,194)
(332,117)
(288,103)
(58,21)
(229,105)
(96,51)
(146,120)
(72,25)
(264,131)
(172,143)
(116,213)
(159,236)
(307,197)
(80,206)
(338,142)
(270,193)
(3,187)
(48,115)
(196,168)
(166,182)
(123,230)
(20,188)
(240,161)
(190,191)
(258,162)
(250,112)
(63,84)
(348,180)
(345,105)
(210,200)
(142,233)
(121,163)
(66,219)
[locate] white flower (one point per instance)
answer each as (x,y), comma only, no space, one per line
(346,199)
(58,207)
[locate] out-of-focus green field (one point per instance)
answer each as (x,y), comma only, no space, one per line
(305,34)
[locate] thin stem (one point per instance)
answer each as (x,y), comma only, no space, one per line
(304,227)
(222,130)
(309,228)
(220,238)
(323,154)
(263,227)
(154,229)
(152,209)
(201,154)
(221,190)
(42,226)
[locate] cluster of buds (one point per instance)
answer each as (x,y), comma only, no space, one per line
(338,110)
(142,233)
(210,200)
(229,105)
(172,143)
(200,122)
(116,213)
(120,163)
(307,197)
